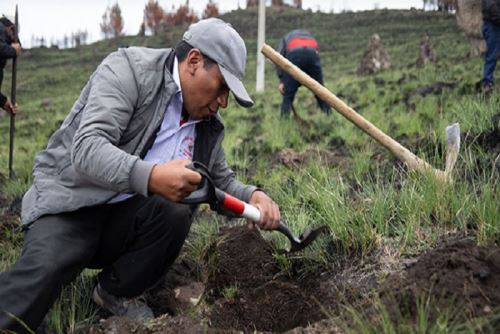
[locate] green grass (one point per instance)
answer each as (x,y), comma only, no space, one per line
(74,306)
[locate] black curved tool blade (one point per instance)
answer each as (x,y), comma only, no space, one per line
(306,238)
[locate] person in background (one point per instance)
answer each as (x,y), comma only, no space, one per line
(302,49)
(8,50)
(491,33)
(107,187)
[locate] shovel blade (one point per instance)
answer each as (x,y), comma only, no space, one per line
(306,238)
(452,146)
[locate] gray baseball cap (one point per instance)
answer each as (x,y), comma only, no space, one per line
(220,42)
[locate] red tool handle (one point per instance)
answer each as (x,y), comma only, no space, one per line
(236,206)
(245,210)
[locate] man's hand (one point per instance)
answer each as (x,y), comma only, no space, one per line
(281,88)
(9,107)
(173,181)
(269,211)
(17,47)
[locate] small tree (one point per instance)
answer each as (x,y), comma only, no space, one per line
(112,22)
(153,16)
(116,20)
(142,30)
(252,3)
(106,24)
(211,10)
(183,15)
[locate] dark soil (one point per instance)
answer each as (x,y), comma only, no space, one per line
(435,88)
(243,258)
(263,300)
(338,156)
(460,274)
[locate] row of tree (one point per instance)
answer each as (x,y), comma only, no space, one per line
(156,19)
(75,40)
(440,5)
(277,3)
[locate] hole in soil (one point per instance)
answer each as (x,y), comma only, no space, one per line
(259,300)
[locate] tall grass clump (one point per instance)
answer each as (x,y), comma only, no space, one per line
(74,306)
(383,317)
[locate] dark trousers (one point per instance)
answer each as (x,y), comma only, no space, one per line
(307,59)
(491,33)
(134,242)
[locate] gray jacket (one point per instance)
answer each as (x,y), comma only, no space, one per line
(96,153)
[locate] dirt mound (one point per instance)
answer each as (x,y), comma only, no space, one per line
(242,258)
(460,273)
(292,158)
(375,57)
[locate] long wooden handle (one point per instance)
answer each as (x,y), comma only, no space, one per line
(396,148)
(13,101)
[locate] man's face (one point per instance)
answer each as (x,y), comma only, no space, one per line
(11,31)
(204,90)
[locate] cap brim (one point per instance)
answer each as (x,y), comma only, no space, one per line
(236,86)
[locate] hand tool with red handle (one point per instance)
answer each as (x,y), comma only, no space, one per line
(207,192)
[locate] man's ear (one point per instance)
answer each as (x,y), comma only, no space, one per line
(194,60)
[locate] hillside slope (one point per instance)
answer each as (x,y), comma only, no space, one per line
(393,235)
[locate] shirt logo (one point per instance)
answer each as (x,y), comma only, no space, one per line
(185,150)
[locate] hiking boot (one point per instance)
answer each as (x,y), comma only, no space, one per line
(327,110)
(484,87)
(132,308)
(487,88)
